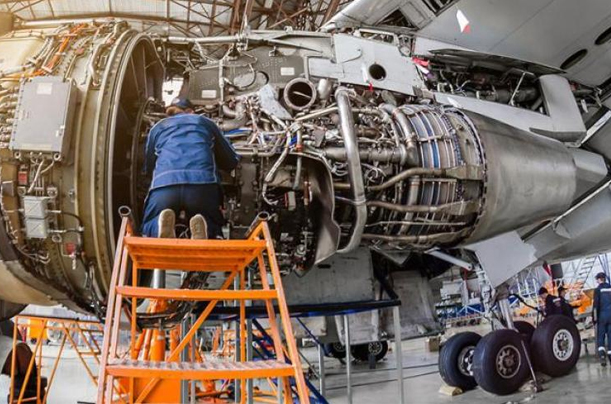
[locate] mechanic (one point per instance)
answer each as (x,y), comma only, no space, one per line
(563,305)
(602,317)
(548,301)
(186,151)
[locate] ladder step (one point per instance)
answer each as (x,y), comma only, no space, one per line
(196,294)
(192,255)
(211,370)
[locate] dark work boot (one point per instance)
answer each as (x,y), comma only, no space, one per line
(603,357)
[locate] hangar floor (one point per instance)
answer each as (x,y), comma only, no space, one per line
(589,383)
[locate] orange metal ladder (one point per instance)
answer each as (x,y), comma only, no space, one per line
(229,256)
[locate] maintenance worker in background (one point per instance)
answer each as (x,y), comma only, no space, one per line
(548,302)
(602,317)
(186,151)
(565,307)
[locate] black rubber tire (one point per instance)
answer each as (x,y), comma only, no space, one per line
(449,358)
(485,357)
(361,351)
(526,329)
(542,346)
(337,350)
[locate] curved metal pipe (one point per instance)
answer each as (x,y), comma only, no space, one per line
(238,121)
(382,155)
(421,239)
(405,175)
(342,96)
(231,113)
(412,148)
(298,169)
(453,208)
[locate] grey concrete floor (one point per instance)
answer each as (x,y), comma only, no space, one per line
(589,383)
(71,383)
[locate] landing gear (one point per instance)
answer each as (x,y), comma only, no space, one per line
(456,360)
(337,350)
(504,359)
(378,349)
(556,346)
(525,328)
(498,361)
(500,365)
(359,352)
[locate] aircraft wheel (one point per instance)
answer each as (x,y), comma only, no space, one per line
(337,350)
(378,348)
(456,360)
(556,346)
(525,328)
(500,365)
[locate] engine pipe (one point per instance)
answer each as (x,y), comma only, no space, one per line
(342,96)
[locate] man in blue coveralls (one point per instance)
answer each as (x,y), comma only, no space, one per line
(186,151)
(602,317)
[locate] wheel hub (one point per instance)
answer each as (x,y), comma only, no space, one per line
(508,361)
(339,347)
(563,345)
(465,360)
(375,347)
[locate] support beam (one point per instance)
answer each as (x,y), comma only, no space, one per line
(212,18)
(331,10)
(322,388)
(28,6)
(235,17)
(396,314)
(247,12)
(288,18)
(348,358)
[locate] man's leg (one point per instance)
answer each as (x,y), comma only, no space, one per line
(608,333)
(601,331)
(157,201)
(205,200)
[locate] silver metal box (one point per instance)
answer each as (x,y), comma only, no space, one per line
(43,121)
(35,207)
(36,228)
(35,211)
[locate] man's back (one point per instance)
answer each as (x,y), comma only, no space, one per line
(551,307)
(187,149)
(602,300)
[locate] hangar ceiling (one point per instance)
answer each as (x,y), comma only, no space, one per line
(186,17)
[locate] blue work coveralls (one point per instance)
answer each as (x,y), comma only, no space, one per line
(602,312)
(550,306)
(186,151)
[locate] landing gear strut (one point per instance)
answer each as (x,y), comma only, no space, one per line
(504,359)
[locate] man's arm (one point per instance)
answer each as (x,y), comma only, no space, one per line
(550,307)
(226,157)
(596,304)
(149,156)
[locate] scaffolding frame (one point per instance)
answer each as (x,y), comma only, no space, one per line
(72,331)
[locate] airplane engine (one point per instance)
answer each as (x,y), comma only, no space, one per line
(71,101)
(332,166)
(400,177)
